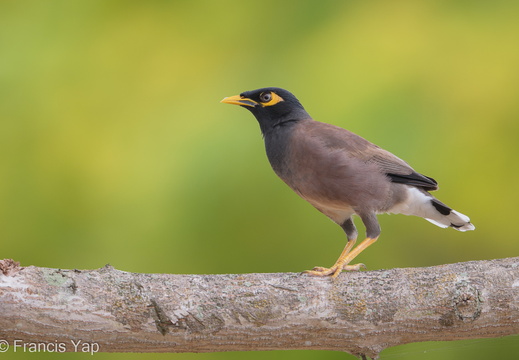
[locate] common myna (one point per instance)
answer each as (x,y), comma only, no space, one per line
(340,173)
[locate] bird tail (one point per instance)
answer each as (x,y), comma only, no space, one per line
(420,203)
(443,216)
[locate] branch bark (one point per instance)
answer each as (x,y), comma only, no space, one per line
(359,312)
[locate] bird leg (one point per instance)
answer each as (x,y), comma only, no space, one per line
(322,271)
(346,257)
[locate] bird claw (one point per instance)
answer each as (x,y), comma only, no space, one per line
(319,268)
(320,271)
(357,267)
(334,271)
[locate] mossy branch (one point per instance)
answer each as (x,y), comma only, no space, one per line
(361,313)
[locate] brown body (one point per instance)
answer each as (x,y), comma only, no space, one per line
(339,172)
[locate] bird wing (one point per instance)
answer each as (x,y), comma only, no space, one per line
(356,146)
(400,172)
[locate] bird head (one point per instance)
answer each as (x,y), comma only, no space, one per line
(271,106)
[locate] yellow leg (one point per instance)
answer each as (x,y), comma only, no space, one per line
(327,271)
(346,257)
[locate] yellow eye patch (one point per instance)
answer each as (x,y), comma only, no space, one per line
(274,99)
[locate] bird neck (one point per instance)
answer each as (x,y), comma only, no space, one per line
(276,146)
(289,119)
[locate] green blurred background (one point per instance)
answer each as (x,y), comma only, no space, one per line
(114,147)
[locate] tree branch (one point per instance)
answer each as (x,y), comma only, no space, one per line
(359,312)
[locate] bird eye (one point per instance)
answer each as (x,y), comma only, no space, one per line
(265,97)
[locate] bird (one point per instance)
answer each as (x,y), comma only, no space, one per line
(341,174)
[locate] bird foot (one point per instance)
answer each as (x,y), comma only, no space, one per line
(334,271)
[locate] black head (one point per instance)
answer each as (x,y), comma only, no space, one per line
(271,106)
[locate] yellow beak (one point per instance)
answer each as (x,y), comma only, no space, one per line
(238,100)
